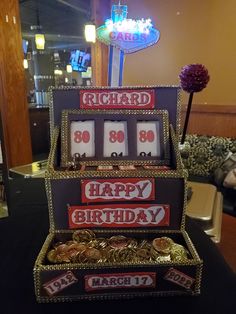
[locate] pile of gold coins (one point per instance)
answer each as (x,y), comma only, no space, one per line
(85,247)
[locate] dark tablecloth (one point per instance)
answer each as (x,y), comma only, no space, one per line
(21,239)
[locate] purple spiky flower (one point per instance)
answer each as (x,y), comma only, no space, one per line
(194,78)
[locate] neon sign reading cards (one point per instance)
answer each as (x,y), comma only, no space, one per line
(128,35)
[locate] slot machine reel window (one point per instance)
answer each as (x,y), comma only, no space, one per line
(96,137)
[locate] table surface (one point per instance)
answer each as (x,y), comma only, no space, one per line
(21,239)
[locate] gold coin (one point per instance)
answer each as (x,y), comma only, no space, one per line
(162,245)
(71,253)
(104,255)
(55,245)
(144,244)
(126,255)
(92,243)
(51,256)
(118,242)
(163,258)
(154,254)
(102,242)
(70,242)
(92,254)
(75,258)
(83,235)
(81,258)
(78,246)
(132,243)
(74,248)
(116,257)
(143,254)
(98,243)
(91,233)
(62,258)
(178,253)
(110,255)
(62,248)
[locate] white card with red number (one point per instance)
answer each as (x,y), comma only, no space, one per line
(83,138)
(115,139)
(148,140)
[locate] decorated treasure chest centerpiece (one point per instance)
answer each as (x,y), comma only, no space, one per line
(117,197)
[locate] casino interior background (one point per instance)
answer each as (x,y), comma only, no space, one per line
(191,32)
(62,23)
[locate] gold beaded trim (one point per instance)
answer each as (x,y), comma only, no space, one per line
(175,143)
(196,257)
(113,296)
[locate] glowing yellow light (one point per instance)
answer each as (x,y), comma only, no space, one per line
(40,41)
(90,33)
(69,68)
(58,72)
(25,64)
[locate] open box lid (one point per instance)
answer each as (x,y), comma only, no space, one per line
(142,97)
(66,195)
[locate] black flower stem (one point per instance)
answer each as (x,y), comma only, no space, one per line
(190,100)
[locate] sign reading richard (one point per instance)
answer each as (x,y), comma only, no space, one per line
(117,99)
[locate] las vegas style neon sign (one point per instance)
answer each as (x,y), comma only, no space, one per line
(128,35)
(124,36)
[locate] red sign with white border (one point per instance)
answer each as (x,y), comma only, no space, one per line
(60,283)
(119,215)
(128,189)
(117,99)
(120,280)
(179,278)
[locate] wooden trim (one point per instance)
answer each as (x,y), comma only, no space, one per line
(13,101)
(101,10)
(212,120)
(219,109)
